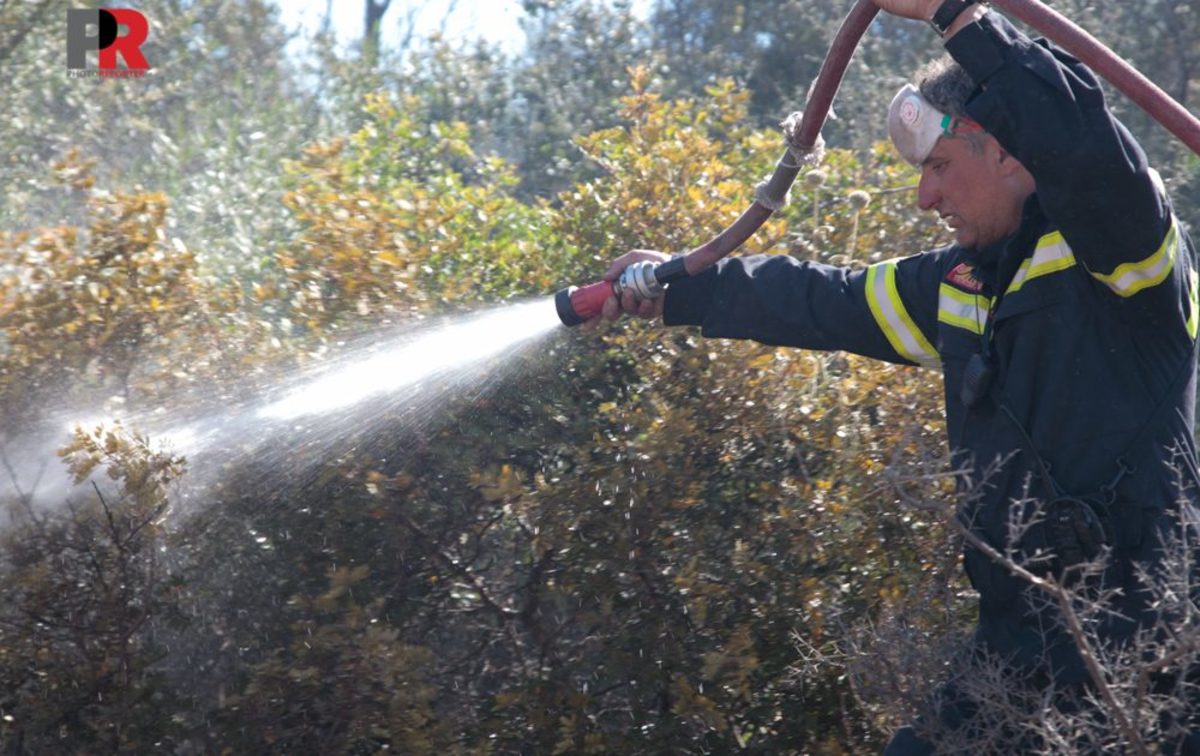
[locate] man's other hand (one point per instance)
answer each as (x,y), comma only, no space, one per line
(922,10)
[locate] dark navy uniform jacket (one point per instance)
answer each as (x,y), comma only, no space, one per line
(1096,327)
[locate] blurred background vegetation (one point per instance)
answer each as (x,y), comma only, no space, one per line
(634,541)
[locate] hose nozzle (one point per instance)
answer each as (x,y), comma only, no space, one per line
(576,304)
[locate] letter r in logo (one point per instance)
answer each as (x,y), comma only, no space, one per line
(107,40)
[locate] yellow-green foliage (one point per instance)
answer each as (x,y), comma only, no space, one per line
(348,669)
(81,592)
(112,305)
(402,217)
(144,474)
(676,173)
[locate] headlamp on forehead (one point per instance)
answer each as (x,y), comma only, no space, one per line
(915,126)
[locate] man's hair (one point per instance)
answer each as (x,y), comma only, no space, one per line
(947,86)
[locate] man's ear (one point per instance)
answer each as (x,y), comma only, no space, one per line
(1009,169)
(1006,164)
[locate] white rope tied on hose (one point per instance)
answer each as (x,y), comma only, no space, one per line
(771,203)
(797,157)
(804,157)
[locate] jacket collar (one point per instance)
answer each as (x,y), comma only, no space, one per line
(997,263)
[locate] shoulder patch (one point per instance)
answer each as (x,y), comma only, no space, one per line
(962,276)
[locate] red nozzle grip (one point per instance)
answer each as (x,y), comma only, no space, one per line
(587,301)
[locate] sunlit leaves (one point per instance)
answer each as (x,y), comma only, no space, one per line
(404,216)
(85,600)
(93,307)
(145,474)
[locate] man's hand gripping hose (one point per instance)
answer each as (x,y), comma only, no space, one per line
(643,279)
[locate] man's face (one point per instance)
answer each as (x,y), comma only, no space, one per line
(972,190)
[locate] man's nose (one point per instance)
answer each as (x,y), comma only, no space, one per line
(928,195)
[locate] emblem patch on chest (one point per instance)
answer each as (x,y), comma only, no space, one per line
(963,277)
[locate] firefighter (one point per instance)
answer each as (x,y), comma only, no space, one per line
(1063,319)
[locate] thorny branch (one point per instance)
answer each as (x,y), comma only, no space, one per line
(1123,703)
(1063,597)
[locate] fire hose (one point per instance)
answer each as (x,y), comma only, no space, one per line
(648,280)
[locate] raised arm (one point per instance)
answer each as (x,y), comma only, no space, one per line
(1092,178)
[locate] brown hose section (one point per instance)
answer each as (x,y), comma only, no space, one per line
(1067,35)
(829,78)
(1173,116)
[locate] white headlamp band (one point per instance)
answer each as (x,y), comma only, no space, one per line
(915,126)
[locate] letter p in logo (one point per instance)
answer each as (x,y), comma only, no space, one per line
(107,39)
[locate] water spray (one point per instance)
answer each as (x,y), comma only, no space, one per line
(648,281)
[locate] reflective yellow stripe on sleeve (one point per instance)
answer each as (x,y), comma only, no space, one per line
(1194,303)
(962,310)
(1130,278)
(897,325)
(1050,256)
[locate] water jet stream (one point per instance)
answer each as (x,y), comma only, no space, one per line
(389,380)
(452,346)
